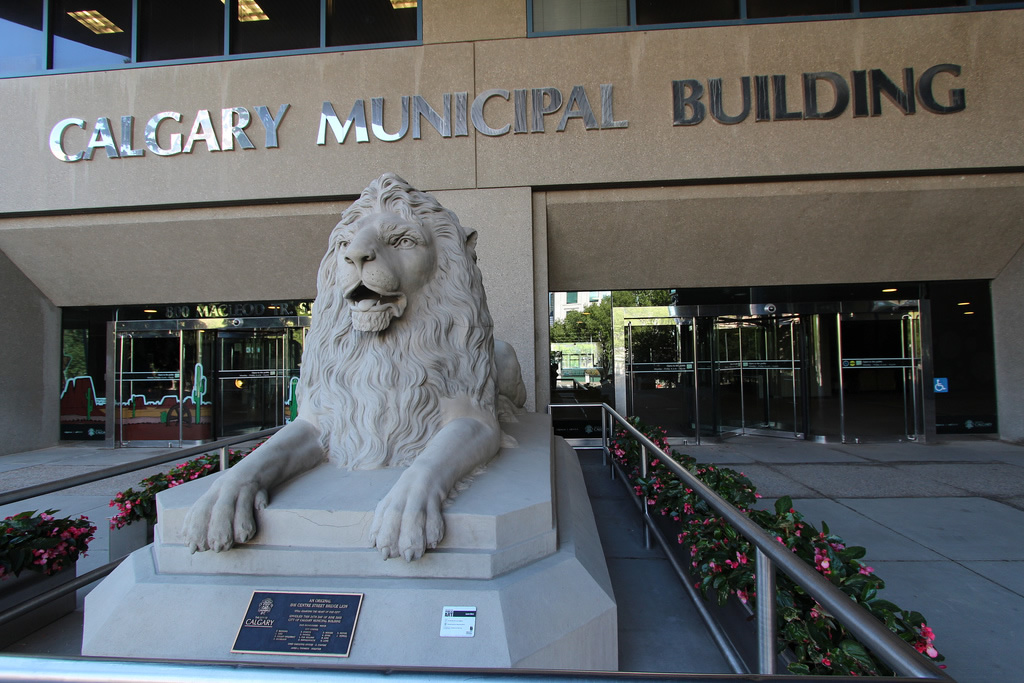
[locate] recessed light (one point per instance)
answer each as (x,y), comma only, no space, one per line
(964,303)
(889,290)
(403,4)
(968,312)
(249,10)
(95,22)
(149,310)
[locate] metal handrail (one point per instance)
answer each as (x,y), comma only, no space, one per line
(871,632)
(107,472)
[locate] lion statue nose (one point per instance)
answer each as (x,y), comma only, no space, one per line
(358,254)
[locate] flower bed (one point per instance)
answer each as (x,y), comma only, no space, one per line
(138,505)
(722,562)
(42,543)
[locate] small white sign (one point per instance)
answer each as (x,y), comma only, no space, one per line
(458,622)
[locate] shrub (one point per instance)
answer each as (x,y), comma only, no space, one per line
(722,561)
(42,543)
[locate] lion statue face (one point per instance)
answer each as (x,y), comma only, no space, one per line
(384,260)
(400,324)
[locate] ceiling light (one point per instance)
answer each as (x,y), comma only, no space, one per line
(964,303)
(403,4)
(149,310)
(249,10)
(889,291)
(968,312)
(95,22)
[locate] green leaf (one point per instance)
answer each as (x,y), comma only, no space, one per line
(853,552)
(799,668)
(783,505)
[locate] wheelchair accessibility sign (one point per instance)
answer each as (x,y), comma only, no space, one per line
(941,385)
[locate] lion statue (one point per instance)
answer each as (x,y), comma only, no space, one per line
(400,369)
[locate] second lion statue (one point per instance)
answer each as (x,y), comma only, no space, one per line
(400,369)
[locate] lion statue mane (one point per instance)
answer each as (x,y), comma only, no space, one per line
(400,369)
(376,395)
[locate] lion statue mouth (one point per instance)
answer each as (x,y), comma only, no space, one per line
(373,311)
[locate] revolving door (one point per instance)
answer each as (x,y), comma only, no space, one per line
(847,371)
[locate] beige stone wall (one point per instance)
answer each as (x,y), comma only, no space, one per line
(800,232)
(1008,324)
(641,66)
(457,21)
(30,375)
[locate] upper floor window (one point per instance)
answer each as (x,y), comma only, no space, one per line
(582,16)
(99,34)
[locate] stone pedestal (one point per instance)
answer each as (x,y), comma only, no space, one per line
(520,545)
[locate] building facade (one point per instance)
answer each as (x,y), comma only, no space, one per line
(771,170)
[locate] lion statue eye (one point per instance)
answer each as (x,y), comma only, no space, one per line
(343,244)
(405,241)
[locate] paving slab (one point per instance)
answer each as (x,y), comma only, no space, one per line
(881,542)
(977,623)
(41,474)
(988,479)
(1007,573)
(961,529)
(771,482)
(1014,502)
(864,481)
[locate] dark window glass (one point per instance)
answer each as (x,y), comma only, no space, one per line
(578,15)
(184,29)
(21,37)
(365,22)
(763,9)
(269,25)
(661,12)
(899,5)
(963,355)
(91,33)
(570,297)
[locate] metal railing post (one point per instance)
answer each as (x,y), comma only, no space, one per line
(647,511)
(224,458)
(604,437)
(766,638)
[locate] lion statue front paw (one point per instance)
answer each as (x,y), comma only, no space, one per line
(223,516)
(408,520)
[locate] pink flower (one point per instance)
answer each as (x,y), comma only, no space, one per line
(743,596)
(826,661)
(866,571)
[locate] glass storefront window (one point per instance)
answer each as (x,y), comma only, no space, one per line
(658,12)
(186,29)
(903,5)
(368,22)
(95,37)
(763,9)
(22,46)
(579,15)
(271,25)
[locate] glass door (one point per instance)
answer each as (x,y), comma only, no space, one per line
(257,377)
(250,381)
(660,374)
(757,367)
(880,375)
(148,388)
